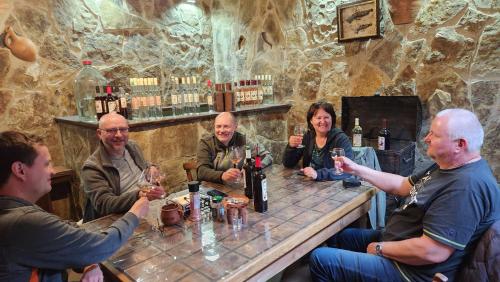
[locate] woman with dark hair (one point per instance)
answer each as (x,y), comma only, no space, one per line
(317,142)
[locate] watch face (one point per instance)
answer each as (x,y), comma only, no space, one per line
(378,249)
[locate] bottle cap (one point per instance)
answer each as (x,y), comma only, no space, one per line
(87,62)
(257,162)
(194,186)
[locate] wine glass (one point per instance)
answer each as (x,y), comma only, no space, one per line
(145,184)
(299,130)
(235,155)
(150,178)
(336,153)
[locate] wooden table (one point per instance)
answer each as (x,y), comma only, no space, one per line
(302,214)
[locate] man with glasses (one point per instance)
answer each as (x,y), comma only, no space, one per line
(447,209)
(214,164)
(111,173)
(34,244)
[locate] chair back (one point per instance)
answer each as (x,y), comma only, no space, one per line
(190,167)
(484,261)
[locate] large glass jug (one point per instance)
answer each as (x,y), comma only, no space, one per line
(84,89)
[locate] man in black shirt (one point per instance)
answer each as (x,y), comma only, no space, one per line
(447,208)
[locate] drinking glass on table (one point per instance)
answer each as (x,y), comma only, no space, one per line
(299,130)
(335,154)
(236,155)
(150,178)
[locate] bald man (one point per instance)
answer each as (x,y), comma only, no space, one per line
(447,208)
(214,164)
(111,173)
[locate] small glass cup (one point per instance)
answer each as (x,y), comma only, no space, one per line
(335,154)
(299,130)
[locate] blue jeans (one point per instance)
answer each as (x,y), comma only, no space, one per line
(348,260)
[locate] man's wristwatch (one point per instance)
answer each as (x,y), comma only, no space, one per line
(378,249)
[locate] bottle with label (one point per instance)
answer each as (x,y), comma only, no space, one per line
(122,102)
(99,102)
(219,97)
(384,137)
(210,97)
(84,89)
(228,98)
(357,134)
(259,187)
(248,172)
(111,105)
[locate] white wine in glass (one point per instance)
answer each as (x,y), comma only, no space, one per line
(236,155)
(299,130)
(335,154)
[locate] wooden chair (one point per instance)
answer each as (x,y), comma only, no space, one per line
(189,167)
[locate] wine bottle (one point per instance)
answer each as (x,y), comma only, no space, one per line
(357,134)
(248,171)
(260,187)
(99,103)
(384,137)
(110,101)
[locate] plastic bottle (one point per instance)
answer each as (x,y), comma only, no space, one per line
(84,89)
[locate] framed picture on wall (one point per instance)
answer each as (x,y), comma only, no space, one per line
(358,20)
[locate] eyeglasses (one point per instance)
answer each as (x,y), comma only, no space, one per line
(115,130)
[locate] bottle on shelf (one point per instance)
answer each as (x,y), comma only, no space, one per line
(357,134)
(248,173)
(111,105)
(268,89)
(384,137)
(136,100)
(122,102)
(243,90)
(144,109)
(166,103)
(260,91)
(99,102)
(219,98)
(210,97)
(157,98)
(196,96)
(228,98)
(84,89)
(237,95)
(259,187)
(248,93)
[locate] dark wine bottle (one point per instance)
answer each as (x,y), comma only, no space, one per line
(259,188)
(111,105)
(99,103)
(248,171)
(384,137)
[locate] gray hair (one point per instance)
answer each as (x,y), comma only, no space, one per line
(464,124)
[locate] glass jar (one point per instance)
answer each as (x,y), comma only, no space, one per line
(85,90)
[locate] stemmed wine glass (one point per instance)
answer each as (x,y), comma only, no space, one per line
(235,155)
(299,130)
(335,154)
(150,178)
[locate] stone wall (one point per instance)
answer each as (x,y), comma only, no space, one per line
(449,56)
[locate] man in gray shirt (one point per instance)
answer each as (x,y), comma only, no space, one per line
(111,174)
(36,245)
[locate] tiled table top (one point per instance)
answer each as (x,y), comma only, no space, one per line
(209,251)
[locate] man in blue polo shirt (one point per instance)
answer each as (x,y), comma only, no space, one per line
(447,209)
